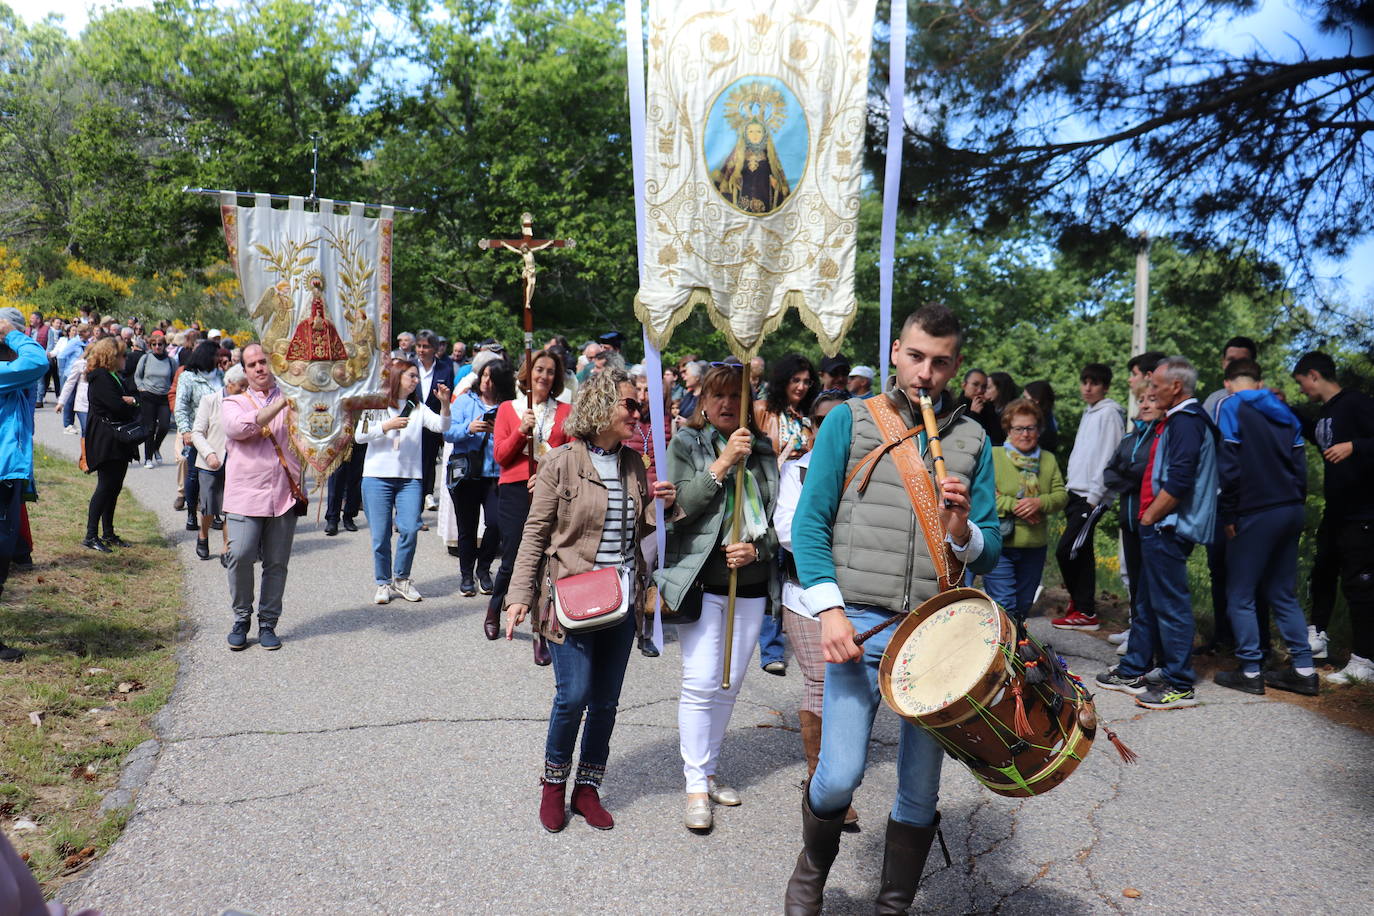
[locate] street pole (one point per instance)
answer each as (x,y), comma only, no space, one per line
(1141,320)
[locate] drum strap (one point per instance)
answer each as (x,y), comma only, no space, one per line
(901,443)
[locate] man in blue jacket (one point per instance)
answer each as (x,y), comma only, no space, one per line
(1263,485)
(862,557)
(1178,501)
(23,363)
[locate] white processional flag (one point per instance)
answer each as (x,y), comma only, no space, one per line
(755,116)
(318,288)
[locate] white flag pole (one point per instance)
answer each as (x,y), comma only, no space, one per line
(653,362)
(892,179)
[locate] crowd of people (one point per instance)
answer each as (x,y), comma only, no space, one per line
(542,473)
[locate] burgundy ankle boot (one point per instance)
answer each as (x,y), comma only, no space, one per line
(586,801)
(551,813)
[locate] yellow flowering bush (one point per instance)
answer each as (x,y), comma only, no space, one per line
(122,285)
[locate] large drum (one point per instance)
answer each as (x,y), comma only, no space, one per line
(996,700)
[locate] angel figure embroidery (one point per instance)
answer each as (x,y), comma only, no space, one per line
(316,339)
(751,177)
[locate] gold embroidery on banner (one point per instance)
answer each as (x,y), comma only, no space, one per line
(751,259)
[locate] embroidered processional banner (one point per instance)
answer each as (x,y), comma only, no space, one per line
(318,287)
(755,122)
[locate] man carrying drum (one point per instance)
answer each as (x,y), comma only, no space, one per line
(863,551)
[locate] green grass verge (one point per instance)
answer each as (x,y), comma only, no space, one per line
(99,631)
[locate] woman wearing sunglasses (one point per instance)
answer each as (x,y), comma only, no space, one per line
(703,459)
(1029,488)
(591,507)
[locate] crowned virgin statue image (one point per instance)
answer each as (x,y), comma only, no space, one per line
(316,339)
(751,177)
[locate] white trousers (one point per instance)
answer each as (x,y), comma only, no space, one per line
(703,710)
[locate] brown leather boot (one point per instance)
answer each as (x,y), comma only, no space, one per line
(491,627)
(904,861)
(820,845)
(811,744)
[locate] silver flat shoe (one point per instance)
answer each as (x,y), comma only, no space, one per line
(720,793)
(698,816)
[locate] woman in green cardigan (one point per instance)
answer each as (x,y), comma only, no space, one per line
(1030,487)
(703,459)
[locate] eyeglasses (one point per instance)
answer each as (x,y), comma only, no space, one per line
(632,406)
(1025,429)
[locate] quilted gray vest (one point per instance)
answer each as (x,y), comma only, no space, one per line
(880,554)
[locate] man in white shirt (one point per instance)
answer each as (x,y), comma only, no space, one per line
(433,374)
(1099,433)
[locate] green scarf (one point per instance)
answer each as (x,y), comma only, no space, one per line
(753,521)
(1028,466)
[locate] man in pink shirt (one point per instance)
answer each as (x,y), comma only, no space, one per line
(258,501)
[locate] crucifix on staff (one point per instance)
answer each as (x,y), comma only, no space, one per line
(526,246)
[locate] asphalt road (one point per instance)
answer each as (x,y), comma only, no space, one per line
(386,761)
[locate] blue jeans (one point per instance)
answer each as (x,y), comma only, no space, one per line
(382,495)
(81,418)
(1263,559)
(1013,581)
(771,645)
(1163,620)
(588,671)
(851,701)
(191,486)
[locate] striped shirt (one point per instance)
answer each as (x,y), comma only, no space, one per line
(615,539)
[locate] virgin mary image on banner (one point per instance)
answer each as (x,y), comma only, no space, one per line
(752,176)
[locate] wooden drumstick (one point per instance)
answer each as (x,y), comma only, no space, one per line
(874,631)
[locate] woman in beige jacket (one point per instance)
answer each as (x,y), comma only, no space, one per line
(591,506)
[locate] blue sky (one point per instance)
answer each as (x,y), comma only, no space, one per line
(1278,26)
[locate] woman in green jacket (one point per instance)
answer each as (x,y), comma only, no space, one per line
(1030,487)
(703,458)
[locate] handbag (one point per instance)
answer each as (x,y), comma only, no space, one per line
(688,611)
(130,433)
(601,598)
(302,505)
(466,465)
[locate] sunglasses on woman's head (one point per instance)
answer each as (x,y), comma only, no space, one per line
(727,365)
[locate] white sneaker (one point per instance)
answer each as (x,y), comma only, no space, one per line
(1359,669)
(1117,639)
(148,463)
(431,503)
(383,595)
(406,589)
(71,430)
(1316,640)
(1124,647)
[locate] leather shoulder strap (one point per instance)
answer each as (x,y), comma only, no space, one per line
(296,491)
(901,442)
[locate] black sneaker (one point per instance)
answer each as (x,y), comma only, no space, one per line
(349,524)
(1237,680)
(1110,680)
(267,638)
(115,540)
(647,647)
(1288,679)
(203,548)
(217,523)
(331,529)
(192,523)
(97,545)
(484,581)
(467,586)
(1167,696)
(238,636)
(10,655)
